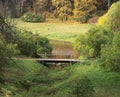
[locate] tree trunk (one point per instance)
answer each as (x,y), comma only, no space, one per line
(108,4)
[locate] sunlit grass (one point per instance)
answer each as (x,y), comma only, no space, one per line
(54,29)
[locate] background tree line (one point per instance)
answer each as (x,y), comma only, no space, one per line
(63,9)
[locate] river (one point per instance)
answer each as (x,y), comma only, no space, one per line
(63,50)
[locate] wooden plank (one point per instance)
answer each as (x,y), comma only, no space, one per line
(50,60)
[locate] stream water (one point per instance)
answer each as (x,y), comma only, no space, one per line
(63,50)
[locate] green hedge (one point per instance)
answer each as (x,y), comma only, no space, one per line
(30,17)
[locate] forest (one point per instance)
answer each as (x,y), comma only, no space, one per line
(84,30)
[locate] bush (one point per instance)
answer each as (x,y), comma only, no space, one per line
(33,17)
(84,18)
(92,42)
(111,55)
(83,88)
(32,44)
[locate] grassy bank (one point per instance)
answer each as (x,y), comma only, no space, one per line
(54,29)
(27,78)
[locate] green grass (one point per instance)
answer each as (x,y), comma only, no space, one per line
(58,82)
(55,30)
(20,68)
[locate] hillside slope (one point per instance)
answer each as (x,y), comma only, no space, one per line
(31,79)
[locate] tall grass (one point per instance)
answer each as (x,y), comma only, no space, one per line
(46,82)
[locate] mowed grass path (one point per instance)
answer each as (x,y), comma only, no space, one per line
(55,30)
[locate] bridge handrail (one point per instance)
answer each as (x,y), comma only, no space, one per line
(54,54)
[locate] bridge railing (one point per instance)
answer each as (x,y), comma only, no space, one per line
(58,56)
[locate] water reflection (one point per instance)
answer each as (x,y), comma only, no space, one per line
(63,49)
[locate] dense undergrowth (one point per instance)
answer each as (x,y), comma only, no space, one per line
(26,78)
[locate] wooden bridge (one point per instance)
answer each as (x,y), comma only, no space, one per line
(54,58)
(45,61)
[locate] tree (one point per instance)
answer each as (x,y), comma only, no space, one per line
(7,47)
(112,18)
(105,4)
(83,7)
(41,6)
(7,33)
(93,41)
(80,45)
(111,54)
(109,2)
(102,4)
(32,44)
(63,8)
(9,7)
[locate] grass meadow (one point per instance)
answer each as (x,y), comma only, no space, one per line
(55,29)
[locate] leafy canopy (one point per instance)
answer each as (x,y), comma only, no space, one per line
(111,54)
(112,18)
(91,43)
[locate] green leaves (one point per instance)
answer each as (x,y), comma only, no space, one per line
(111,18)
(31,44)
(111,55)
(7,50)
(93,41)
(7,44)
(29,17)
(83,88)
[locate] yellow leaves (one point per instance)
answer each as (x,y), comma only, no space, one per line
(112,18)
(83,7)
(102,21)
(78,14)
(64,8)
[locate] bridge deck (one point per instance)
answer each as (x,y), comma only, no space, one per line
(59,60)
(50,60)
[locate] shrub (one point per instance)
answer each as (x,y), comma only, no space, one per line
(83,88)
(29,17)
(93,41)
(111,55)
(84,18)
(31,44)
